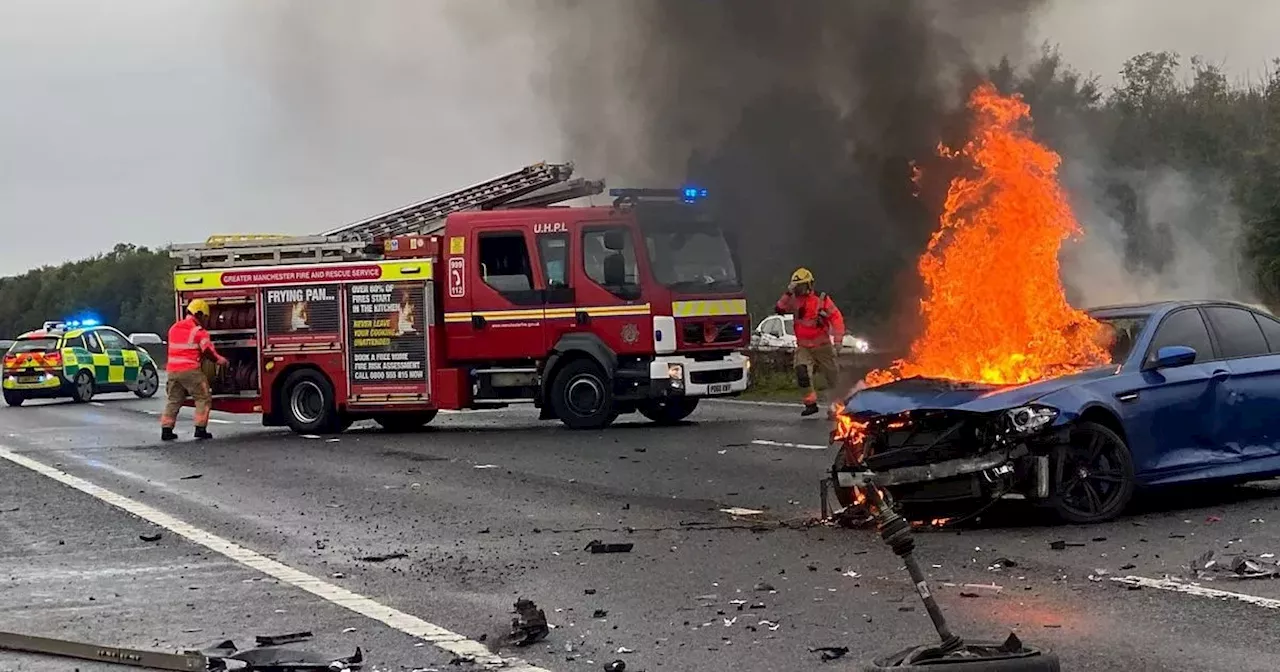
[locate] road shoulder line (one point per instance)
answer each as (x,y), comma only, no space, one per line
(439,637)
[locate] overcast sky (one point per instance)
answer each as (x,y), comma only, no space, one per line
(157,121)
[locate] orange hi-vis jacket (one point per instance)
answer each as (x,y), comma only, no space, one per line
(817,319)
(187,340)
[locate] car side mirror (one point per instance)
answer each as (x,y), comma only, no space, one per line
(1173,356)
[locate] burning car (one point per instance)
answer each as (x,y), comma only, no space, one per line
(1192,394)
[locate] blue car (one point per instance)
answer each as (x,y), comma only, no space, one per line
(1192,395)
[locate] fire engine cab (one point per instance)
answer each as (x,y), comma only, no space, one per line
(485,297)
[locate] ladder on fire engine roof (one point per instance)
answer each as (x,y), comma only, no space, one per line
(538,185)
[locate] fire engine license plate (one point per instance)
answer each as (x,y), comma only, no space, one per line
(718,388)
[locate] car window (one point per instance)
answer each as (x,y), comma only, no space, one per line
(1184,327)
(91,342)
(773,327)
(77,342)
(33,345)
(609,258)
(1270,329)
(789,327)
(1238,333)
(112,340)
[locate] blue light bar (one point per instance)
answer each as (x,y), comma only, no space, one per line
(692,194)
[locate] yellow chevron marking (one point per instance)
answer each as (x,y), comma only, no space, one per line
(709,308)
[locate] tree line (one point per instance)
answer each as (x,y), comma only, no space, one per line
(1165,113)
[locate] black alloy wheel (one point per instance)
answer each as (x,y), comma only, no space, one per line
(148,382)
(1092,475)
(82,387)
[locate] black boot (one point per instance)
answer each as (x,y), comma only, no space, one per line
(203,433)
(810,408)
(167,434)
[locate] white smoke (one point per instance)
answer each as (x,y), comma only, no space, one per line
(1178,237)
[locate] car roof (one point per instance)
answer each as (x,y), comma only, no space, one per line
(39,333)
(1145,309)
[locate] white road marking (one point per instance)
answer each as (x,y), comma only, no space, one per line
(439,637)
(1197,590)
(96,403)
(739,511)
(785,444)
(745,402)
(222,422)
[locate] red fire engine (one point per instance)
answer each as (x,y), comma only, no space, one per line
(485,297)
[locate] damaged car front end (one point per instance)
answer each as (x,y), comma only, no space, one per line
(946,451)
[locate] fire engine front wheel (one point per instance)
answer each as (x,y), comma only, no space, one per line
(582,395)
(669,411)
(307,404)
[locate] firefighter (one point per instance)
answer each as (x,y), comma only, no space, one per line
(819,329)
(188,343)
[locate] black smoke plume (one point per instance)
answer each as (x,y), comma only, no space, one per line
(803,118)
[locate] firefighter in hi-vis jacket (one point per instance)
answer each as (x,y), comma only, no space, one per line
(819,329)
(188,342)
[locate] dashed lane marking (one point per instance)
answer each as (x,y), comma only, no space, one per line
(1197,590)
(439,637)
(785,444)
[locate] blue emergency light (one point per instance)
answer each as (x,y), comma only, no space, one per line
(686,194)
(692,194)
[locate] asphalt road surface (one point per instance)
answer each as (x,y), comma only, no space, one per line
(263,532)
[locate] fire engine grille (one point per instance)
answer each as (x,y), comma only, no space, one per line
(711,377)
(697,332)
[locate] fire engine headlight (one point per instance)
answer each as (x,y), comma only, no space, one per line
(1028,419)
(675,372)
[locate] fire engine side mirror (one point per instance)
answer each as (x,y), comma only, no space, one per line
(615,240)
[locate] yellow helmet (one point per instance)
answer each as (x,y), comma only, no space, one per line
(802,276)
(198,307)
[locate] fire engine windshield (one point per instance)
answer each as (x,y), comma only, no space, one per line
(691,257)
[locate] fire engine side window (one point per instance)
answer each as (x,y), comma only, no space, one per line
(609,259)
(553,249)
(504,266)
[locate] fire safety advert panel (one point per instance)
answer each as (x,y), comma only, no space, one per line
(388,336)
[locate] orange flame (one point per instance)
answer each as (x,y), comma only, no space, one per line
(995,310)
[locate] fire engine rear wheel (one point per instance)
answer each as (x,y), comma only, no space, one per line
(405,422)
(582,395)
(82,388)
(13,398)
(307,403)
(669,411)
(148,382)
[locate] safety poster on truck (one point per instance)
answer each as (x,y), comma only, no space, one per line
(305,315)
(388,338)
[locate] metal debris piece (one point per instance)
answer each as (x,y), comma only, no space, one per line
(278,640)
(597,546)
(192,477)
(1061,545)
(616,666)
(764,587)
(530,624)
(599,613)
(831,652)
(150,537)
(382,558)
(155,660)
(279,659)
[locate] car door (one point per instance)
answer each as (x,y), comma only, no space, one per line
(612,302)
(1173,414)
(1250,426)
(118,370)
(771,333)
(99,360)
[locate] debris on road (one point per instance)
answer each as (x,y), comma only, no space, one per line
(383,558)
(831,652)
(530,624)
(616,666)
(486,466)
(221,656)
(1206,567)
(739,511)
(597,546)
(192,477)
(1061,545)
(156,536)
(764,587)
(278,640)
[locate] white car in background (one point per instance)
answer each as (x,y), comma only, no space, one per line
(777,332)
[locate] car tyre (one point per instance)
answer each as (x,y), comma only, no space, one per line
(307,403)
(669,411)
(1028,660)
(582,395)
(405,422)
(82,387)
(14,399)
(148,382)
(1091,476)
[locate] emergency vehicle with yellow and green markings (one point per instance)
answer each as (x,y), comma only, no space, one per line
(481,298)
(76,360)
